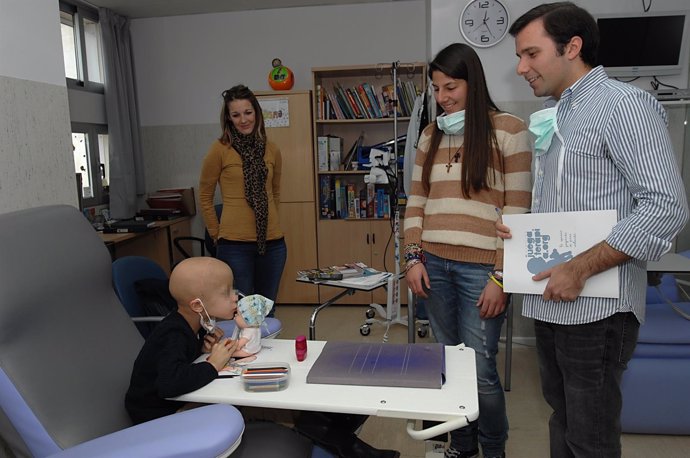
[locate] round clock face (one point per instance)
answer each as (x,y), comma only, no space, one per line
(484,23)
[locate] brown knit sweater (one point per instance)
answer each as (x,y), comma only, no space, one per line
(446,224)
(223,166)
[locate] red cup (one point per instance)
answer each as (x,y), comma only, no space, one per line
(301,348)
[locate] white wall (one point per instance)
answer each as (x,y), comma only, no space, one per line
(28,50)
(499,61)
(183,63)
(36,163)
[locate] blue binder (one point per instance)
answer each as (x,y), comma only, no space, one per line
(420,365)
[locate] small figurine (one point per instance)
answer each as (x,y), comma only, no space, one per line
(280,77)
(251,312)
(378,161)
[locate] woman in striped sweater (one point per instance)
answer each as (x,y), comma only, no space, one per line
(472,164)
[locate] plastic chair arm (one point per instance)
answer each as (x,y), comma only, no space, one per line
(208,431)
(177,240)
(143,319)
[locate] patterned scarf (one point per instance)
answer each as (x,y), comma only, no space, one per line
(252,150)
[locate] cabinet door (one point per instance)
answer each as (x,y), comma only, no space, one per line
(152,244)
(180,229)
(340,242)
(295,143)
(297,222)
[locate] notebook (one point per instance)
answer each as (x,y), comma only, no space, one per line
(128,226)
(420,365)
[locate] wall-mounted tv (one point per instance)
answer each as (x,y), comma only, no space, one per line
(644,45)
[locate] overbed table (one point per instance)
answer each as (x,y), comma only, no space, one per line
(455,404)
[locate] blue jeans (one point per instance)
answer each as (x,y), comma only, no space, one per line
(254,273)
(454,318)
(581,368)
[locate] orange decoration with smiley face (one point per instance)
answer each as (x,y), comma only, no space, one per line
(280,78)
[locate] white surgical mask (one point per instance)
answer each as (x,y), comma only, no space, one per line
(209,324)
(453,123)
(543,125)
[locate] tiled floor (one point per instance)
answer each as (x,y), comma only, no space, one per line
(527,411)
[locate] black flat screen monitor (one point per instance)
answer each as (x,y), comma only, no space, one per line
(643,45)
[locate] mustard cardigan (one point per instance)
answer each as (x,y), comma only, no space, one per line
(223,166)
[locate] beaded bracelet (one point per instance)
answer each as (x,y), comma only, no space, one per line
(413,255)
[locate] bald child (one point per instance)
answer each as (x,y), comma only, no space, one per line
(203,290)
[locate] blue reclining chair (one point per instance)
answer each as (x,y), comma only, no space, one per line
(127,270)
(67,348)
(655,384)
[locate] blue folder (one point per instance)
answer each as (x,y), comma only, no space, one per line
(420,365)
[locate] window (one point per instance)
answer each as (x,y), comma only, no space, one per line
(81,47)
(90,148)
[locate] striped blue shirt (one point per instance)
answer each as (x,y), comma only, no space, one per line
(611,150)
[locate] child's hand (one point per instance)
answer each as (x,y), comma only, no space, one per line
(221,352)
(210,339)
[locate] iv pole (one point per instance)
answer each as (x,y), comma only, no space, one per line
(392,312)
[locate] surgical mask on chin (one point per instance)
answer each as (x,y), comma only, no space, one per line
(542,124)
(209,324)
(453,123)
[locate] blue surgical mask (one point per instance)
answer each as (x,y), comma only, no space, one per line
(453,123)
(543,125)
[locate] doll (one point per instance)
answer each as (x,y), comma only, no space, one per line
(251,312)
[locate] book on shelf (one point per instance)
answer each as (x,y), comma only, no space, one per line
(362,96)
(371,200)
(322,153)
(319,103)
(335,148)
(326,202)
(351,209)
(371,95)
(338,199)
(352,153)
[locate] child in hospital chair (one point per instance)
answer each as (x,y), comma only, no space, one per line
(251,312)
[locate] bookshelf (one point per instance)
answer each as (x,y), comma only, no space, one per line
(367,112)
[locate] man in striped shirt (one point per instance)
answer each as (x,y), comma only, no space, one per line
(611,150)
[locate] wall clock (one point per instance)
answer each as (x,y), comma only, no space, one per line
(484,23)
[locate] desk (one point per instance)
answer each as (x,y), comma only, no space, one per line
(155,243)
(455,404)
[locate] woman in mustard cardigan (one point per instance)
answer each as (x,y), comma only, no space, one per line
(247,167)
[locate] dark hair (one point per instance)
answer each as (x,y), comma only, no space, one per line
(563,21)
(240,92)
(460,61)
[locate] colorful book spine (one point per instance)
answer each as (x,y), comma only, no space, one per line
(351,209)
(371,200)
(338,199)
(326,204)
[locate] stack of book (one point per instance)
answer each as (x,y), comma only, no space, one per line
(341,272)
(342,200)
(365,101)
(177,199)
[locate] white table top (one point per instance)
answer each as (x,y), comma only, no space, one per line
(455,403)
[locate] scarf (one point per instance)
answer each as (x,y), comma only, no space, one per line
(251,149)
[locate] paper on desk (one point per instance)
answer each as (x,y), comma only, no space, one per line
(543,240)
(369,280)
